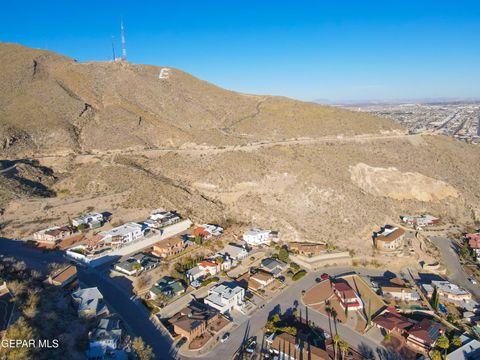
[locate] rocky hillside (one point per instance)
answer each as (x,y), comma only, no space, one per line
(50,103)
(118,138)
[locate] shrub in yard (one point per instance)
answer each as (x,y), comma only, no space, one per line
(299,275)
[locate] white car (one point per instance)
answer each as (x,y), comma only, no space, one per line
(473,281)
(225,338)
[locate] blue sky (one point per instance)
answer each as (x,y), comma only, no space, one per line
(337,50)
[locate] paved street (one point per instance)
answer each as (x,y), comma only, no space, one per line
(456,274)
(133,314)
(287,299)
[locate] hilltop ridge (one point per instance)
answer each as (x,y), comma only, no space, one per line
(118,105)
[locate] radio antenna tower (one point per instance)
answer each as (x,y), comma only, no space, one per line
(124,49)
(113,50)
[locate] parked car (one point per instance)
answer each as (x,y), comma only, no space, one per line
(180,342)
(324,276)
(318,280)
(225,338)
(251,347)
(326,335)
(473,281)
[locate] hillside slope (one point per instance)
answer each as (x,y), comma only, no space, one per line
(49,102)
(118,138)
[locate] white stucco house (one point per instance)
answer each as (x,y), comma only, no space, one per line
(256,237)
(226,298)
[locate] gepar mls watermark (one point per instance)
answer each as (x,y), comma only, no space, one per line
(30,343)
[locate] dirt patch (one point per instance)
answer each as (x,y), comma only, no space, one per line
(390,182)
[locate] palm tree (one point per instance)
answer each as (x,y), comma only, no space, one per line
(435,355)
(336,340)
(456,342)
(343,348)
(443,343)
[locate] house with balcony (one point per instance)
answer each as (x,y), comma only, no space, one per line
(169,247)
(226,297)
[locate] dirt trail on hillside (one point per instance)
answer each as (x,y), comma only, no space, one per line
(195,149)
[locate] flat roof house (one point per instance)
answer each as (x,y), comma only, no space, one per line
(447,291)
(169,247)
(193,320)
(256,237)
(92,220)
(124,233)
(226,298)
(90,302)
(389,238)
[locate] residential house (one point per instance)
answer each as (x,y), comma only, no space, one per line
(105,337)
(137,263)
(169,247)
(389,238)
(168,287)
(307,248)
(203,269)
(423,335)
(470,350)
(206,231)
(289,347)
(420,220)
(257,237)
(474,244)
(273,266)
(90,302)
(234,252)
(226,297)
(53,234)
(447,291)
(64,277)
(391,321)
(164,218)
(6,308)
(347,297)
(193,320)
(259,280)
(398,289)
(123,234)
(92,220)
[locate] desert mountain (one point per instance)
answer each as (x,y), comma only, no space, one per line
(119,138)
(50,102)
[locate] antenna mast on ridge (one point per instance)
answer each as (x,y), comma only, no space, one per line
(124,49)
(113,50)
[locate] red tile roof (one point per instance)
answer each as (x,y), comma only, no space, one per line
(345,290)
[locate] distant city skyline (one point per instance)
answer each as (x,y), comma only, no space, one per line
(348,51)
